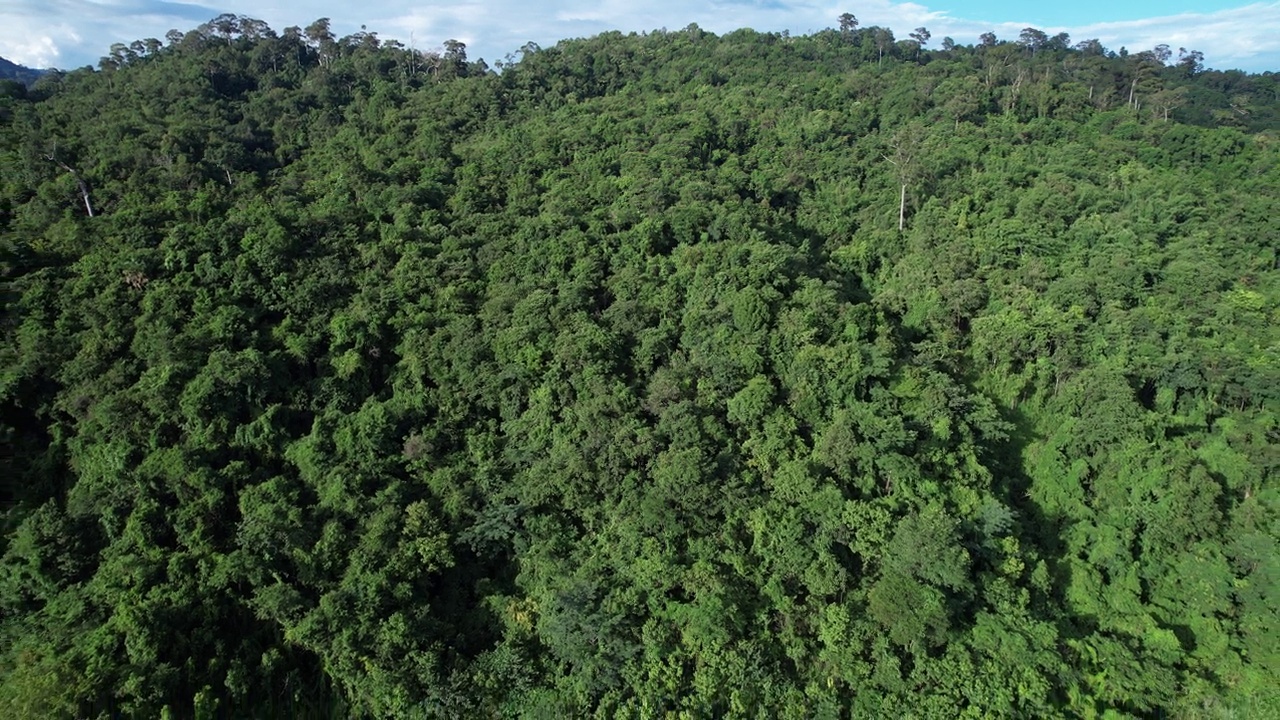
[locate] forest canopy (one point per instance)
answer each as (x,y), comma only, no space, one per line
(645,375)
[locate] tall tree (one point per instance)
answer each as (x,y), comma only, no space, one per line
(1033,39)
(921,37)
(848,23)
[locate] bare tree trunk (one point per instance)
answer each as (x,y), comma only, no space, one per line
(84,187)
(1014,91)
(84,192)
(413,57)
(902,209)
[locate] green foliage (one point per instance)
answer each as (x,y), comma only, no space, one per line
(658,375)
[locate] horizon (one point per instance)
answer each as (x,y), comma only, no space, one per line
(79,32)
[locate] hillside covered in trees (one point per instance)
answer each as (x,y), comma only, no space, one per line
(12,72)
(650,375)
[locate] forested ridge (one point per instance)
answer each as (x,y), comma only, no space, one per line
(648,375)
(12,72)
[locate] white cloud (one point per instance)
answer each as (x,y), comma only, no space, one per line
(74,33)
(33,49)
(1247,37)
(71,33)
(1227,37)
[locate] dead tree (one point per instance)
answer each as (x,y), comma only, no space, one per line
(84,187)
(908,145)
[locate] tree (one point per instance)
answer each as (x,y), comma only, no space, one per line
(848,23)
(81,185)
(255,29)
(907,148)
(1145,78)
(884,40)
(987,39)
(227,25)
(1165,101)
(962,99)
(320,37)
(455,57)
(318,32)
(1033,39)
(1191,62)
(923,562)
(921,37)
(1091,47)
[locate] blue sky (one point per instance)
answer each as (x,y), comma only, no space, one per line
(1081,12)
(73,33)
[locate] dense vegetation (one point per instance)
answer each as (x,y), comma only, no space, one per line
(13,72)
(663,375)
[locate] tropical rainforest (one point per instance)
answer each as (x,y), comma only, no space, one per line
(11,72)
(650,375)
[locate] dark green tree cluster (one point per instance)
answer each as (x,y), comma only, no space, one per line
(661,375)
(11,72)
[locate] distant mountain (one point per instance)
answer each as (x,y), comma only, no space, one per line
(13,71)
